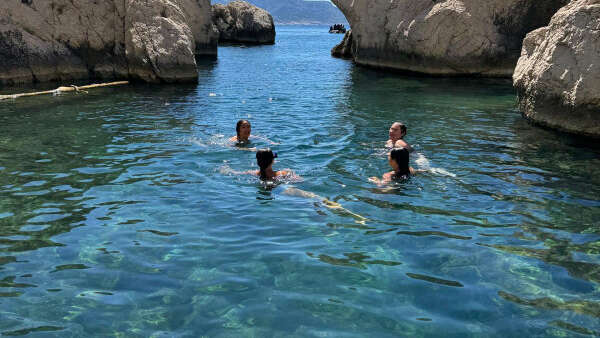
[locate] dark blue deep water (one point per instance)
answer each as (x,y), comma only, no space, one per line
(120,215)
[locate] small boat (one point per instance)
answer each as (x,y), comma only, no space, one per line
(337,29)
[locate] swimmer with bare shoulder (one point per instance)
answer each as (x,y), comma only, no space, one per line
(265,159)
(243,129)
(397,133)
(398,160)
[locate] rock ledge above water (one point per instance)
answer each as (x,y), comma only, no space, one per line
(242,22)
(558,74)
(444,37)
(61,40)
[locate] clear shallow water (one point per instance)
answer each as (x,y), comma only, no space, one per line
(117,216)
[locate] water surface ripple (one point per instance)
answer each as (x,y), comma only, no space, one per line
(118,215)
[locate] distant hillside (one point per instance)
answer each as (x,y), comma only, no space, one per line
(299,11)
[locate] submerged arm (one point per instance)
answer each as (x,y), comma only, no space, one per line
(289,174)
(414,171)
(264,139)
(386,178)
(227,170)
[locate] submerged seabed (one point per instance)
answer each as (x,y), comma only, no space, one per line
(118,215)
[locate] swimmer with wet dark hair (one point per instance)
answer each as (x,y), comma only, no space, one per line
(398,160)
(265,159)
(243,129)
(397,133)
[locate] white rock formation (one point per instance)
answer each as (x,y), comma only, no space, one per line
(240,21)
(444,37)
(152,40)
(558,74)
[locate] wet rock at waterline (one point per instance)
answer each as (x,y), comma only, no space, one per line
(161,39)
(240,21)
(344,49)
(444,37)
(153,40)
(558,74)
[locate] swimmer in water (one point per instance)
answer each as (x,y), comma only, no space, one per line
(265,159)
(243,130)
(398,159)
(397,133)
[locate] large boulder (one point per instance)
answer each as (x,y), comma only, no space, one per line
(444,37)
(240,21)
(57,40)
(558,75)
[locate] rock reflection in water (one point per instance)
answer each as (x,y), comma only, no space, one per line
(434,280)
(357,259)
(583,307)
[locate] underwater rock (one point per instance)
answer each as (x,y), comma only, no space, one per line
(54,40)
(240,21)
(558,75)
(444,37)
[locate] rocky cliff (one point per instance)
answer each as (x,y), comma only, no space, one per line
(240,21)
(444,37)
(344,49)
(558,74)
(150,40)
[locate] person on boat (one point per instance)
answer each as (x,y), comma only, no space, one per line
(398,159)
(265,159)
(397,133)
(243,129)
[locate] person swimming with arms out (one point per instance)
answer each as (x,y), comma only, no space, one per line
(243,129)
(265,159)
(397,133)
(398,160)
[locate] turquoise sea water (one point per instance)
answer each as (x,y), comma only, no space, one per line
(119,215)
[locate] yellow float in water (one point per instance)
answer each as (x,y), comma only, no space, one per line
(60,90)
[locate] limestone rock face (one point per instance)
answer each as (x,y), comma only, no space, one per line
(344,49)
(55,40)
(558,74)
(240,21)
(444,37)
